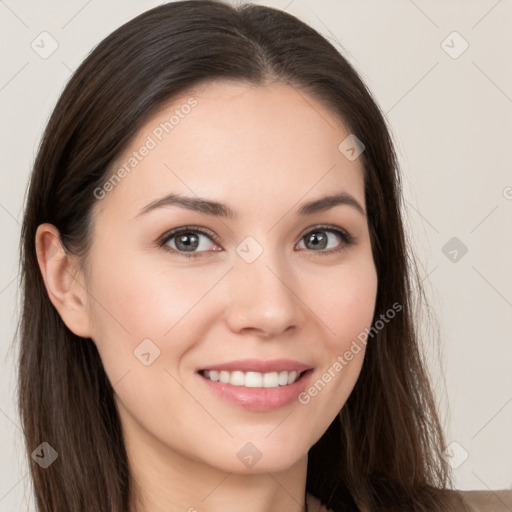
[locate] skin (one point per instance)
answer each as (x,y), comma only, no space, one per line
(263,151)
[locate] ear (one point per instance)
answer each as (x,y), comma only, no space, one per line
(63,280)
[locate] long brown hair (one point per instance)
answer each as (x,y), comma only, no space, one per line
(385,448)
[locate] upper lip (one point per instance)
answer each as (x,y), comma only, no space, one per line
(260,365)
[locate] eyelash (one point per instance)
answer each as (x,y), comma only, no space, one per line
(347,238)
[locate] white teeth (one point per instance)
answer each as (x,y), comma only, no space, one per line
(253,379)
(270,380)
(283,378)
(237,378)
(292,376)
(213,375)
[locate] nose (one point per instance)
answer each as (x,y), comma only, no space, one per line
(264,297)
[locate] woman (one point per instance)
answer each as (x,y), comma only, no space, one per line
(182,345)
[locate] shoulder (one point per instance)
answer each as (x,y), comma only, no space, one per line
(478,501)
(488,501)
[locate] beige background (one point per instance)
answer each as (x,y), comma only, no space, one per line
(451,116)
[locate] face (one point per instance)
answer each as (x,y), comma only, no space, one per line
(267,283)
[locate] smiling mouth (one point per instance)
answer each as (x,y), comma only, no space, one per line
(254,379)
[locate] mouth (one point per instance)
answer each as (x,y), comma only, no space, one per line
(254,379)
(256,391)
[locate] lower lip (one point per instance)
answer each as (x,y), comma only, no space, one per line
(259,399)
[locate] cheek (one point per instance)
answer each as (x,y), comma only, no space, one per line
(138,294)
(346,308)
(347,304)
(135,299)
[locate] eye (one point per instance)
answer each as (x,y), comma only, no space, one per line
(186,240)
(319,240)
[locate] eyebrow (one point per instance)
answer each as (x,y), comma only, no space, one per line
(217,209)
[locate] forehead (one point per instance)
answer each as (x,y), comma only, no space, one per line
(240,144)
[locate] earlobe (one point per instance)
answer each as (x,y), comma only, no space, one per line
(63,280)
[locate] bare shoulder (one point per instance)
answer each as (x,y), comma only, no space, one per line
(488,501)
